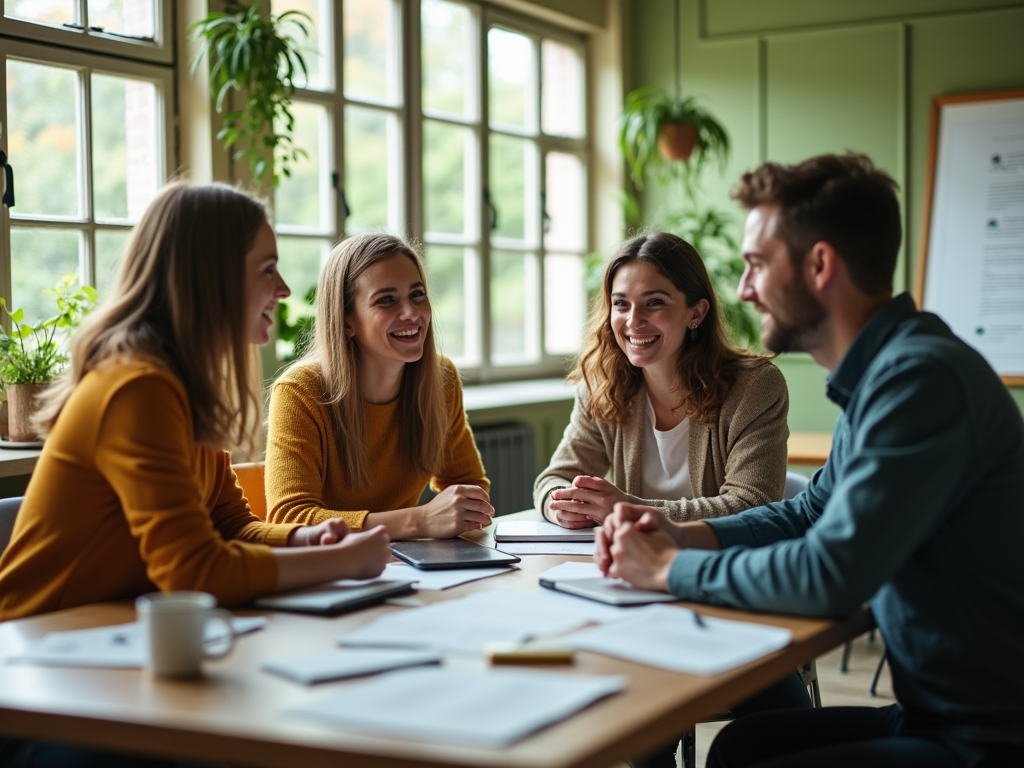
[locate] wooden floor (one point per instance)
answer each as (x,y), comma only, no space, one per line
(837,688)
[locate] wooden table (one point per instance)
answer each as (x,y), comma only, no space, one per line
(809,448)
(235,714)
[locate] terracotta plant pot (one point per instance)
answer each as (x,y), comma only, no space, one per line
(21,404)
(677,141)
(3,419)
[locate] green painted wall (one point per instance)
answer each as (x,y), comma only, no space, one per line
(793,78)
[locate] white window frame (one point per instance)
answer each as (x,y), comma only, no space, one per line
(158,49)
(85,64)
(478,306)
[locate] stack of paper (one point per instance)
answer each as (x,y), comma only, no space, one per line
(466,624)
(675,638)
(486,709)
(120,646)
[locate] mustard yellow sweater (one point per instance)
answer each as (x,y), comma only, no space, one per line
(305,474)
(123,502)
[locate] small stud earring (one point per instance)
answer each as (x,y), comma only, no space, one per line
(693,332)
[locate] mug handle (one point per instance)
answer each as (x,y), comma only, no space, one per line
(219,614)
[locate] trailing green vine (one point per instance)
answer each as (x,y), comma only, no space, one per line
(253,54)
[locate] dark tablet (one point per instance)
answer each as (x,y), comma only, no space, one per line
(435,554)
(335,597)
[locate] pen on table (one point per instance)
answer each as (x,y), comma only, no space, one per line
(699,620)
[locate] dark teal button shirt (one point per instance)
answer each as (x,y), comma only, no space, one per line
(919,510)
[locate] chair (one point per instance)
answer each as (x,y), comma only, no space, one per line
(250,477)
(795,483)
(8,512)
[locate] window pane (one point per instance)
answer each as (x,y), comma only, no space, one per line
(123,17)
(55,12)
(303,198)
(449,42)
(561,90)
(300,266)
(452,277)
(316,48)
(371,51)
(514,309)
(511,80)
(301,258)
(39,258)
(126,168)
(564,202)
(564,304)
(513,188)
(448,171)
(43,139)
(372,162)
(110,245)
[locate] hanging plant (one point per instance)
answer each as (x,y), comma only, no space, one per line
(670,135)
(253,54)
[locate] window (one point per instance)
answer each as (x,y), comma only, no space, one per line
(504,188)
(87,136)
(138,29)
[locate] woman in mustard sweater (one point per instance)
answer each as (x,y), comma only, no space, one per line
(372,413)
(134,491)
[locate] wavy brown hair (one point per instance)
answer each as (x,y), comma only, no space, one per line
(179,299)
(707,365)
(422,401)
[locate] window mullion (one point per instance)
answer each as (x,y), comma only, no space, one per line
(484,261)
(413,100)
(86,260)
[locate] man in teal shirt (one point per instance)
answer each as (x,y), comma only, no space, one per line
(919,509)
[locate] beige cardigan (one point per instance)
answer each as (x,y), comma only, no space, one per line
(735,464)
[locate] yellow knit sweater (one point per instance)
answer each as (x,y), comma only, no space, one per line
(123,502)
(305,473)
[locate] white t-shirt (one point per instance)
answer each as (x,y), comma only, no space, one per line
(665,473)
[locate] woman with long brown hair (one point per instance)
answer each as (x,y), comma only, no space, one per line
(684,421)
(134,490)
(372,413)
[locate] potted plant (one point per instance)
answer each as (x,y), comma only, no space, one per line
(672,135)
(252,53)
(33,355)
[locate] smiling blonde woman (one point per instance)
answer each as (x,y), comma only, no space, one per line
(372,413)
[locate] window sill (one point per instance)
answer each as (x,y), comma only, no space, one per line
(483,397)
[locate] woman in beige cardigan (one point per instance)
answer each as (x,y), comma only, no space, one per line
(685,422)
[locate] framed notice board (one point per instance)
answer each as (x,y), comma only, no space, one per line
(971,259)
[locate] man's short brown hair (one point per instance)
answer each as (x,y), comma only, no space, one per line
(840,199)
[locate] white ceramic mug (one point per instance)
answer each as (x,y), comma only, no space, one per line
(174,626)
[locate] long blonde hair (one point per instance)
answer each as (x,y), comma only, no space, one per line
(707,363)
(422,400)
(179,298)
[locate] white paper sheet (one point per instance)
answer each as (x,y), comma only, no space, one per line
(572,570)
(466,624)
(352,662)
(120,646)
(440,579)
(670,637)
(486,709)
(547,547)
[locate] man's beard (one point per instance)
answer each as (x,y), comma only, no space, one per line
(804,317)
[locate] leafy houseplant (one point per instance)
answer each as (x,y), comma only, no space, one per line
(32,355)
(253,54)
(671,135)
